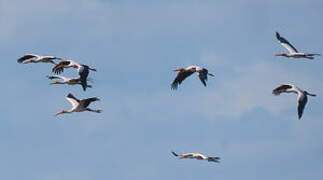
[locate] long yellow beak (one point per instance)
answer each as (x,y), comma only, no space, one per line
(55,82)
(29,61)
(61,112)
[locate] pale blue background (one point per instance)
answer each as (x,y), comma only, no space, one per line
(134,45)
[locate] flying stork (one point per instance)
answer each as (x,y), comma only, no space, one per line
(79,105)
(301,98)
(197,156)
(34,58)
(184,73)
(66,80)
(292,50)
(83,70)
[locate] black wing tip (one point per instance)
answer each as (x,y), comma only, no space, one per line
(174,153)
(275,93)
(57,71)
(300,115)
(70,95)
(278,36)
(174,86)
(96,99)
(204,83)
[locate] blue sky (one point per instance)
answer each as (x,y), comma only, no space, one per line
(134,45)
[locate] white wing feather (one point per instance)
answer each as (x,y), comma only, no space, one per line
(73,102)
(290,49)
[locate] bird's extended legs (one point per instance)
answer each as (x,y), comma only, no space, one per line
(94,110)
(92,69)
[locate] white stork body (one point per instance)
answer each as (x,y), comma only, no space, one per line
(301,98)
(197,156)
(83,70)
(79,105)
(66,80)
(33,58)
(292,50)
(184,73)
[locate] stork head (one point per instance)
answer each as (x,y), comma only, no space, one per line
(29,61)
(180,69)
(61,112)
(281,54)
(307,93)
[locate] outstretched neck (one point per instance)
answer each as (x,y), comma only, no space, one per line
(283,54)
(63,112)
(56,82)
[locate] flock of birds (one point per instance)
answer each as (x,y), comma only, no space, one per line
(80,105)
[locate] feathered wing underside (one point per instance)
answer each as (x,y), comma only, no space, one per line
(86,102)
(27,56)
(59,68)
(301,105)
(203,76)
(187,155)
(74,101)
(282,88)
(291,49)
(199,157)
(181,76)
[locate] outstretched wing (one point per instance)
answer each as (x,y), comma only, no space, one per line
(57,77)
(181,76)
(301,105)
(203,76)
(52,57)
(59,68)
(291,49)
(73,100)
(27,56)
(282,88)
(84,72)
(86,102)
